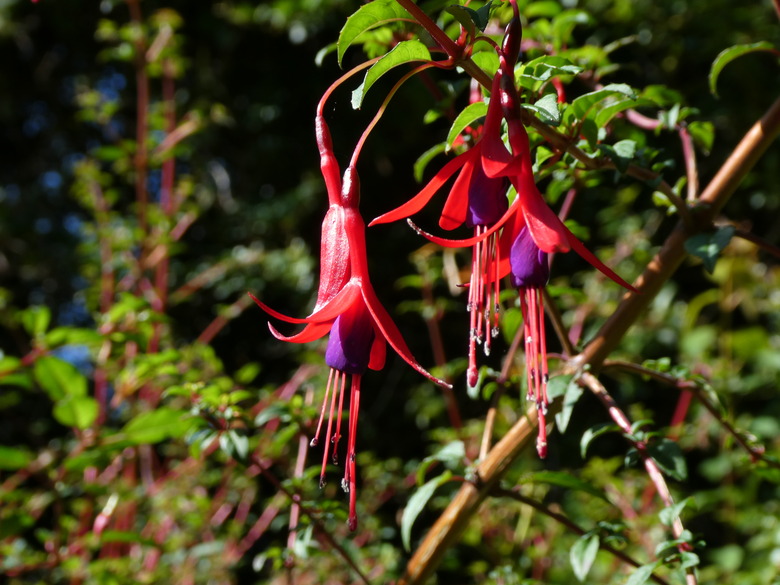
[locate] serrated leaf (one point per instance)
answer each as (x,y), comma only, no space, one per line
(416,505)
(59,378)
(709,245)
(593,432)
(368,16)
(470,113)
(547,66)
(565,480)
(76,411)
(642,574)
(547,108)
(582,106)
(583,554)
(728,55)
(670,458)
(156,425)
(403,52)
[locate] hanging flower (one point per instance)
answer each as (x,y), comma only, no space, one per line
(529,273)
(478,201)
(359,326)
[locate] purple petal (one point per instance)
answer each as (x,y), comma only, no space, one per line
(349,344)
(529,265)
(487,198)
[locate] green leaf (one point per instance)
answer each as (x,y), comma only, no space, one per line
(728,55)
(156,425)
(35,320)
(471,19)
(594,432)
(670,458)
(703,134)
(422,162)
(416,504)
(545,67)
(469,114)
(582,106)
(642,574)
(564,480)
(547,109)
(451,455)
(368,16)
(12,458)
(572,393)
(709,245)
(606,113)
(670,514)
(59,378)
(583,553)
(235,445)
(621,153)
(403,52)
(76,411)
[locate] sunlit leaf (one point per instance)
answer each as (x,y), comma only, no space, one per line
(403,52)
(368,16)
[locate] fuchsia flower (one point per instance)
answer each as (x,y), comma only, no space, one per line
(478,201)
(531,230)
(348,309)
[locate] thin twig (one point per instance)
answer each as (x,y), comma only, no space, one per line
(756,452)
(312,515)
(574,527)
(653,471)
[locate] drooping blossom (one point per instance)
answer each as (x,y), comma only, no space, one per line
(477,201)
(530,230)
(529,273)
(347,309)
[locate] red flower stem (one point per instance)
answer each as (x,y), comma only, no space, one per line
(691,169)
(333,86)
(380,112)
(439,36)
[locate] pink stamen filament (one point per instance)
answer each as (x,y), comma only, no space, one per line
(350,471)
(532,307)
(340,378)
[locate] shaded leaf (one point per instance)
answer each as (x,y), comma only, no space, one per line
(565,480)
(728,55)
(416,504)
(13,458)
(670,458)
(709,245)
(583,553)
(642,574)
(547,109)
